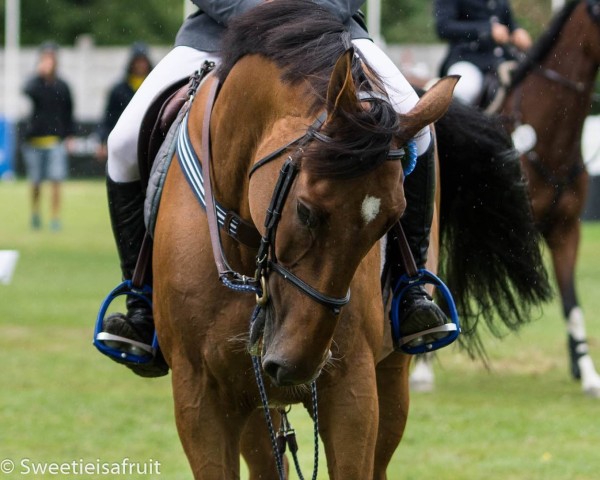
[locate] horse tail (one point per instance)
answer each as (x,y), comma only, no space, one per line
(490,249)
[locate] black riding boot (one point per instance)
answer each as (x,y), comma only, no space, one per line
(418,312)
(125,204)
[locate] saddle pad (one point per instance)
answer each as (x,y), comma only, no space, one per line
(159,170)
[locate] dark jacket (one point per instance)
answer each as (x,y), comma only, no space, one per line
(52,112)
(120,95)
(203,29)
(466,25)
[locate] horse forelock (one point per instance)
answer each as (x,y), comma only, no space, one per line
(360,141)
(305,40)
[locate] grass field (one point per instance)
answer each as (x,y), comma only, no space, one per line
(61,401)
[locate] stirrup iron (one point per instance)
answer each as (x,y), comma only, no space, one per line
(122,349)
(451,330)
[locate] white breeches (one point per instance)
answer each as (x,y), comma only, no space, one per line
(401,93)
(470,84)
(181,62)
(122,144)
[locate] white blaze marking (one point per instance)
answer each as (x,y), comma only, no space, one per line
(370,208)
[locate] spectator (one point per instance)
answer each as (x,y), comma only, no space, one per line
(50,123)
(139,66)
(479,32)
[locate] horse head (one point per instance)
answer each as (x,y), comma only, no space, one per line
(343,196)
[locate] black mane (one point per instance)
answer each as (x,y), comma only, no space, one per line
(544,44)
(301,37)
(305,40)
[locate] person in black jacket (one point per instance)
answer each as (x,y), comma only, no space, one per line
(138,67)
(198,41)
(478,32)
(50,123)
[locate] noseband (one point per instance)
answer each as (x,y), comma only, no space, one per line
(266,259)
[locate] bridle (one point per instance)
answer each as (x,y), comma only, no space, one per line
(266,259)
(593,9)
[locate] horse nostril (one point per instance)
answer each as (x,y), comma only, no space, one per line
(281,374)
(271,368)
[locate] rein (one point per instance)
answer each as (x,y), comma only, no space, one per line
(556,77)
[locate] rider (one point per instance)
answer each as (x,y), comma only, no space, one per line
(196,42)
(479,32)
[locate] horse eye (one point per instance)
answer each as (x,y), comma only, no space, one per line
(305,216)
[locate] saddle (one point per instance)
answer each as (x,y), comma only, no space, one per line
(156,124)
(495,87)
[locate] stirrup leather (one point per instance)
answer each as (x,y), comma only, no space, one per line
(122,349)
(451,330)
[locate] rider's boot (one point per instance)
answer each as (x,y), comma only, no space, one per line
(125,204)
(418,313)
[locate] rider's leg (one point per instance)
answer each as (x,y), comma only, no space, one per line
(469,87)
(126,196)
(401,93)
(419,312)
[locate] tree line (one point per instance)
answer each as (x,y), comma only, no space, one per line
(120,22)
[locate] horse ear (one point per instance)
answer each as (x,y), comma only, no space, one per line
(341,92)
(430,107)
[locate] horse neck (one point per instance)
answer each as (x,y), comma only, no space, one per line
(563,107)
(252,99)
(573,61)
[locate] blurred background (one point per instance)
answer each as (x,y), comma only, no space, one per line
(95,38)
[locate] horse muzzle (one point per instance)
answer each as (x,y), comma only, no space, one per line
(286,373)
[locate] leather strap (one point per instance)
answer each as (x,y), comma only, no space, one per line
(405,254)
(211,212)
(142,267)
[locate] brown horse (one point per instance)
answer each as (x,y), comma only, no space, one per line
(295,137)
(551,91)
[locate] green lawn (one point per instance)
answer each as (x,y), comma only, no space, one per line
(61,401)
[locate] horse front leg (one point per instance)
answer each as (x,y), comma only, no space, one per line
(393,394)
(564,246)
(257,449)
(208,424)
(348,420)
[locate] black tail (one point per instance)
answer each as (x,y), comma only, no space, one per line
(490,248)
